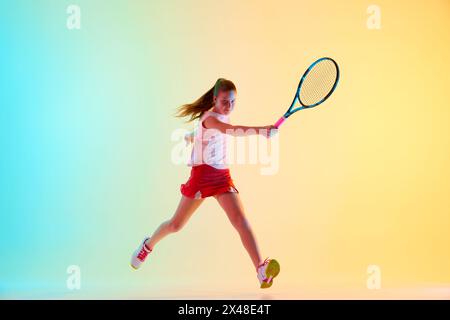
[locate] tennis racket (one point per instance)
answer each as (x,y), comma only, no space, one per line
(316,85)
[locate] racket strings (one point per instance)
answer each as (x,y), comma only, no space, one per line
(318,83)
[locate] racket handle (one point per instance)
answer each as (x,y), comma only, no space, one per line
(279,122)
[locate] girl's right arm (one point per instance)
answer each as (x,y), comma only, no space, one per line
(236,130)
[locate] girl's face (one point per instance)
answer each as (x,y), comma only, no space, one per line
(224,102)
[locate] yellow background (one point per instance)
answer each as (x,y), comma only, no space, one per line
(363,179)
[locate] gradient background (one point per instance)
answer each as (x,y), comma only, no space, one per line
(86,170)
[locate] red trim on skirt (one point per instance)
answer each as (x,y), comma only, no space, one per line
(206,181)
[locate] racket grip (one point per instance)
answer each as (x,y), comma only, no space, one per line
(279,122)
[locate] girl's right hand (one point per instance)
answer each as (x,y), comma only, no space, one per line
(268,131)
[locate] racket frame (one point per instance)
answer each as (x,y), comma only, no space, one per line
(291,111)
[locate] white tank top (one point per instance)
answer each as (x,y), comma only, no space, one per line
(210,145)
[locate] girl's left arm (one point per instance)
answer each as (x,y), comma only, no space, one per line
(189,137)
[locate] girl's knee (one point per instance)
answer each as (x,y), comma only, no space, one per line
(175,226)
(240,223)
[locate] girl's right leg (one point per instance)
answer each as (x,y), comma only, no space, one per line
(186,208)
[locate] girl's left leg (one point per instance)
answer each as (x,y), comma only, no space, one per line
(232,205)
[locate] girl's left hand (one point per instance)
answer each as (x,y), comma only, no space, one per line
(189,138)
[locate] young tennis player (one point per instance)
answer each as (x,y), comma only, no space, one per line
(210,176)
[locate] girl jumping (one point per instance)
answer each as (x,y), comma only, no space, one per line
(210,176)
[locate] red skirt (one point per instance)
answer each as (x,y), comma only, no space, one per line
(206,181)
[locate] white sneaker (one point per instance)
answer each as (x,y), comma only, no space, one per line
(140,255)
(266,271)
